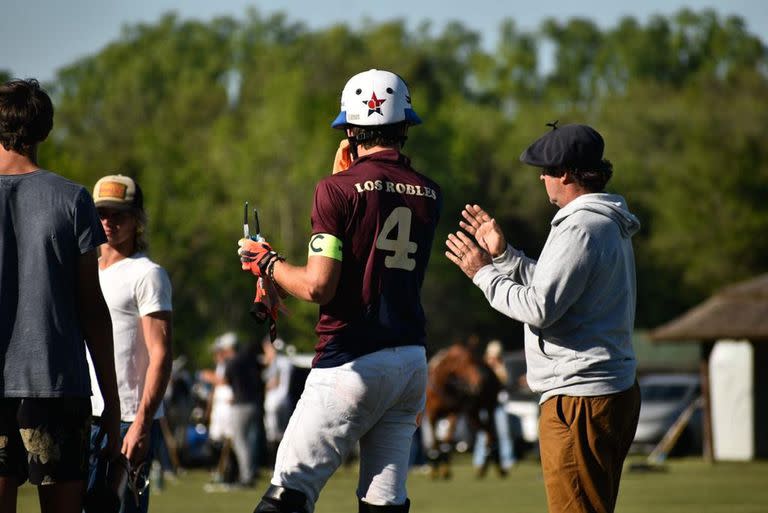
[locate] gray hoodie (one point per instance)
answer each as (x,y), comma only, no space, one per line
(577,301)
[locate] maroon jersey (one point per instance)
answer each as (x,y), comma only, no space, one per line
(385,214)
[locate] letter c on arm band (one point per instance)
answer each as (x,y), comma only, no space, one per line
(325,244)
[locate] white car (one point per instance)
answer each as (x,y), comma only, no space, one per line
(522,405)
(664,397)
(524,413)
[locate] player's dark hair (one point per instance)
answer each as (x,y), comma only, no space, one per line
(384,135)
(26,116)
(142,244)
(141,241)
(592,179)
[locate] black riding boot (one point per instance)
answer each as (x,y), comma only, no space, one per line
(364,507)
(282,500)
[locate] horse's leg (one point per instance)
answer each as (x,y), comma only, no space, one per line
(493,443)
(451,432)
(445,448)
(431,443)
(481,436)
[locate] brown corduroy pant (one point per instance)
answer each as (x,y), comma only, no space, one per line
(583,442)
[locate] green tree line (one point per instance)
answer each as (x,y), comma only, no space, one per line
(207,115)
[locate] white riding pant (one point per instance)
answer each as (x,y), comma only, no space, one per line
(376,400)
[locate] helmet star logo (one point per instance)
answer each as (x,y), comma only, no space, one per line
(374,104)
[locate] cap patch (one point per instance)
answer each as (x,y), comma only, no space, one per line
(117,191)
(112,190)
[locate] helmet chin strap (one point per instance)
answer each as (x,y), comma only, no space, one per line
(352,147)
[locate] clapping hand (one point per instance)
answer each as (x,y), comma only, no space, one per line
(463,252)
(484,228)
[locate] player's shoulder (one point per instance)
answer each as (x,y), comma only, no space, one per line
(430,187)
(344,179)
(407,167)
(57,183)
(330,181)
(335,185)
(427,180)
(49,177)
(388,171)
(141,264)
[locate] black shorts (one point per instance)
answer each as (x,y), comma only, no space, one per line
(45,440)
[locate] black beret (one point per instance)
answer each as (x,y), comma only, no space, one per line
(568,146)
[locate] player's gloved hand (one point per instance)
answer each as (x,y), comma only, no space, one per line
(257,257)
(343,159)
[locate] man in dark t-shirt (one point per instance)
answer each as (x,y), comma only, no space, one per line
(50,304)
(243,374)
(373,222)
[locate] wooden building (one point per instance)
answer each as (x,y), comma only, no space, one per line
(735,318)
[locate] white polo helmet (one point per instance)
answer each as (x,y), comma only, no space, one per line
(374,98)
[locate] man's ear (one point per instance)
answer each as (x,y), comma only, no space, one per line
(566,178)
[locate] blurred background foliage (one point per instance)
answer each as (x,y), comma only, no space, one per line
(209,114)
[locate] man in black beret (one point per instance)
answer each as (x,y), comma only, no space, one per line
(578,305)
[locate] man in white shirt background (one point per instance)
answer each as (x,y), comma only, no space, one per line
(138,294)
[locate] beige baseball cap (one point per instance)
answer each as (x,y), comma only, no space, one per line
(226,340)
(117,191)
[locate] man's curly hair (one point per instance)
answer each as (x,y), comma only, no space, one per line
(384,135)
(593,179)
(26,116)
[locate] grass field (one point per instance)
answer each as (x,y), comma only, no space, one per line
(686,486)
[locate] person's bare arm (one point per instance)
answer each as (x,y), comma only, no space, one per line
(316,282)
(209,376)
(156,328)
(97,329)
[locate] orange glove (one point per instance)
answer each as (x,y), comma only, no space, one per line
(343,159)
(257,256)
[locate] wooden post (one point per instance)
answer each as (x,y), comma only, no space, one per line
(760,391)
(708,448)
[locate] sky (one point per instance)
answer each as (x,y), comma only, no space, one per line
(37,37)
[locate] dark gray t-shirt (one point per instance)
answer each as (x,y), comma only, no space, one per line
(46,223)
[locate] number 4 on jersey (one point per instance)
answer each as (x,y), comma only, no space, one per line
(400,218)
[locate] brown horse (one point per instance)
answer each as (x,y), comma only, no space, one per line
(459,383)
